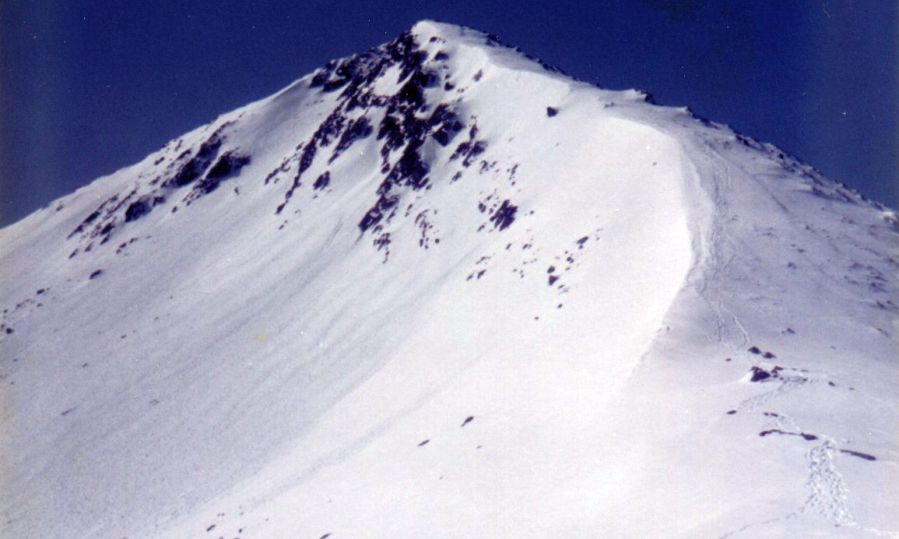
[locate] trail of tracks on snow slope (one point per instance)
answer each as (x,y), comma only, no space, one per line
(710,174)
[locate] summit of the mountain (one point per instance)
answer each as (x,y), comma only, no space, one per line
(441,289)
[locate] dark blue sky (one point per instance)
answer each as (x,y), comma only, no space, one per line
(89,86)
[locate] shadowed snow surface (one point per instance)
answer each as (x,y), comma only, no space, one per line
(440,290)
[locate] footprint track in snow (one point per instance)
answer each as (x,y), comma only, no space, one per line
(829,496)
(785,385)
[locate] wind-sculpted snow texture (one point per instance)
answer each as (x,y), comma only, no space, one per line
(441,290)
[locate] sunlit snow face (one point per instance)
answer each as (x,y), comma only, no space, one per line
(441,283)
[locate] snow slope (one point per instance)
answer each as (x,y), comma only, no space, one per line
(440,290)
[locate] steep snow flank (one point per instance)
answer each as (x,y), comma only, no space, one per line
(438,289)
(534,376)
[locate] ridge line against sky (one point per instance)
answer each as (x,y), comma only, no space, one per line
(88,87)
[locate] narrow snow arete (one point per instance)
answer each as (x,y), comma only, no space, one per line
(441,290)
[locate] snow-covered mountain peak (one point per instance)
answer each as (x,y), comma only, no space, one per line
(416,96)
(427,32)
(442,273)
